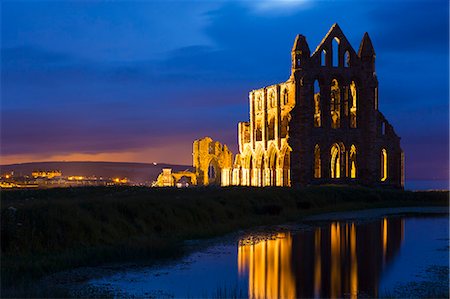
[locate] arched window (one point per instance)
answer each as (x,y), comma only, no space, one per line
(258,103)
(317,108)
(271,101)
(335,161)
(213,173)
(353,165)
(271,129)
(335,48)
(384,165)
(335,104)
(258,131)
(284,127)
(353,104)
(317,163)
(285,97)
(323,58)
(346,59)
(287,168)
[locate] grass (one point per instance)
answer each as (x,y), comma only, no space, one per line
(45,231)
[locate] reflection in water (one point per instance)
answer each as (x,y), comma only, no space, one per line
(269,266)
(317,264)
(340,259)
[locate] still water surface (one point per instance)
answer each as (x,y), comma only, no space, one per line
(334,259)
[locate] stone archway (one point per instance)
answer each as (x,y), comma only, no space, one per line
(272,167)
(285,163)
(213,174)
(337,161)
(178,176)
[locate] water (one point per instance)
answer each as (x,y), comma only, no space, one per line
(424,185)
(334,259)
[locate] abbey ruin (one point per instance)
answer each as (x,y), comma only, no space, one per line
(321,126)
(212,163)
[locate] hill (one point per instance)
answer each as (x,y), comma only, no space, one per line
(136,172)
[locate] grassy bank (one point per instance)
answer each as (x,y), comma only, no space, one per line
(44,231)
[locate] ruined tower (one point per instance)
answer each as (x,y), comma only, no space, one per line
(322,125)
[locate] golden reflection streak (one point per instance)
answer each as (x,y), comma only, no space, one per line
(317,263)
(251,275)
(385,233)
(335,287)
(241,265)
(270,270)
(354,264)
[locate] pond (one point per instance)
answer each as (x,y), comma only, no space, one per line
(384,256)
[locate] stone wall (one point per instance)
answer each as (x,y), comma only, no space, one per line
(322,125)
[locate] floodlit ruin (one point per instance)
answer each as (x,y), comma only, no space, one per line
(212,164)
(321,126)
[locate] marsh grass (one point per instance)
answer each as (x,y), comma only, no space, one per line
(45,231)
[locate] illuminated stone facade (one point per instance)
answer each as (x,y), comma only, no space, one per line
(322,125)
(212,161)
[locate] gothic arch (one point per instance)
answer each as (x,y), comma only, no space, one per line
(258,167)
(337,160)
(335,44)
(323,57)
(347,59)
(285,96)
(271,99)
(384,165)
(335,104)
(353,162)
(272,166)
(213,171)
(284,126)
(285,165)
(317,104)
(247,168)
(353,99)
(191,178)
(271,128)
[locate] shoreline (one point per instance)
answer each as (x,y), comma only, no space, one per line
(376,213)
(50,231)
(76,279)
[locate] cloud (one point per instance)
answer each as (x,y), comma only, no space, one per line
(105,31)
(89,79)
(276,7)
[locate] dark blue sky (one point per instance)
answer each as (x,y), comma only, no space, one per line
(140,80)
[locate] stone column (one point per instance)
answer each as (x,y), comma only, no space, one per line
(277,116)
(264,119)
(252,119)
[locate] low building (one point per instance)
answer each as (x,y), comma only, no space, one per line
(49,174)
